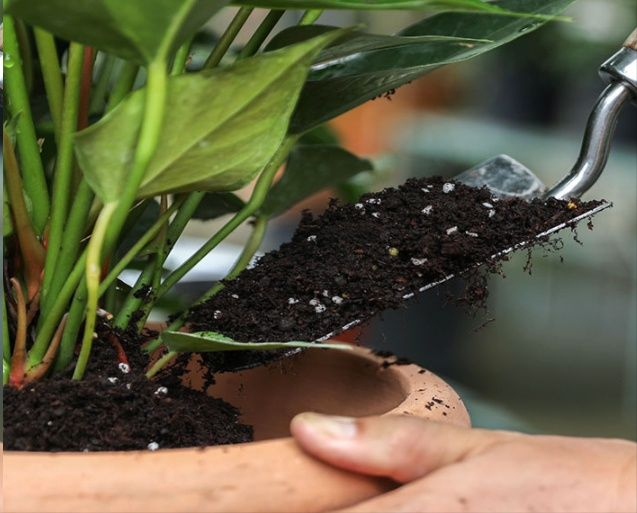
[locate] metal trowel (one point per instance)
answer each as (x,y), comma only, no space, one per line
(505,177)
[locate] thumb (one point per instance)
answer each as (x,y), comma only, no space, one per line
(399,447)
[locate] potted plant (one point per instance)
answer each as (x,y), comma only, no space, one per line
(112,144)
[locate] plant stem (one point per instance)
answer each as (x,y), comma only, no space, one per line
(35,185)
(32,251)
(310,16)
(71,329)
(19,346)
(6,343)
(63,175)
(262,32)
(161,363)
(227,37)
(93,272)
(74,231)
(135,298)
(101,86)
(181,58)
(51,75)
(123,85)
(256,200)
(249,250)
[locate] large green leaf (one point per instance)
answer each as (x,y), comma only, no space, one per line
(221,126)
(133,29)
(362,67)
(472,5)
(310,169)
(209,341)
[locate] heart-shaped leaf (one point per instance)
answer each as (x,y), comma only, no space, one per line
(362,67)
(209,341)
(472,5)
(310,169)
(217,204)
(136,30)
(220,129)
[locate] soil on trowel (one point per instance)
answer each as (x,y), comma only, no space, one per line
(116,408)
(356,260)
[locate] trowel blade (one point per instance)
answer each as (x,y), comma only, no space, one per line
(505,177)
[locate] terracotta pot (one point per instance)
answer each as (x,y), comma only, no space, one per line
(269,475)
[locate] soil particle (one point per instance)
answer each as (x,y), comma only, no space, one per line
(425,230)
(116,408)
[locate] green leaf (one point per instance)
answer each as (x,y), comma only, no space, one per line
(221,126)
(431,5)
(310,169)
(217,204)
(209,341)
(362,67)
(136,30)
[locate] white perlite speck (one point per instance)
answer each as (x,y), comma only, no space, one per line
(418,261)
(472,234)
(491,213)
(452,230)
(359,206)
(337,300)
(49,423)
(320,308)
(427,210)
(123,367)
(487,205)
(234,296)
(152,446)
(314,302)
(326,293)
(217,314)
(425,190)
(373,201)
(311,238)
(448,187)
(161,391)
(292,301)
(112,380)
(376,215)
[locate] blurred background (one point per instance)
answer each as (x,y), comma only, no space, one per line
(560,354)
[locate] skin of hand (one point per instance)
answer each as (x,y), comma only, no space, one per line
(448,468)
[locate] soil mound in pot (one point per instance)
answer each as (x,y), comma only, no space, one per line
(115,408)
(354,261)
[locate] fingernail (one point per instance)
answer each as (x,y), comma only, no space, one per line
(329,425)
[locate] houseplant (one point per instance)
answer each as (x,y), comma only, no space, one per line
(116,159)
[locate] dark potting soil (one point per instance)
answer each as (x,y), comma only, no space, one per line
(354,261)
(116,409)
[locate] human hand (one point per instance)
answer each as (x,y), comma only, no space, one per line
(449,468)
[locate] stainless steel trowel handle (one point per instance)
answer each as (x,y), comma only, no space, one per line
(620,72)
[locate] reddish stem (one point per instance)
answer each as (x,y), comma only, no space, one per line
(85,88)
(19,356)
(119,349)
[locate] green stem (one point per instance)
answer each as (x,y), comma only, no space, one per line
(262,32)
(52,320)
(256,200)
(63,175)
(35,185)
(71,329)
(123,85)
(74,232)
(310,16)
(227,37)
(161,363)
(98,95)
(143,241)
(181,58)
(134,300)
(51,75)
(93,273)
